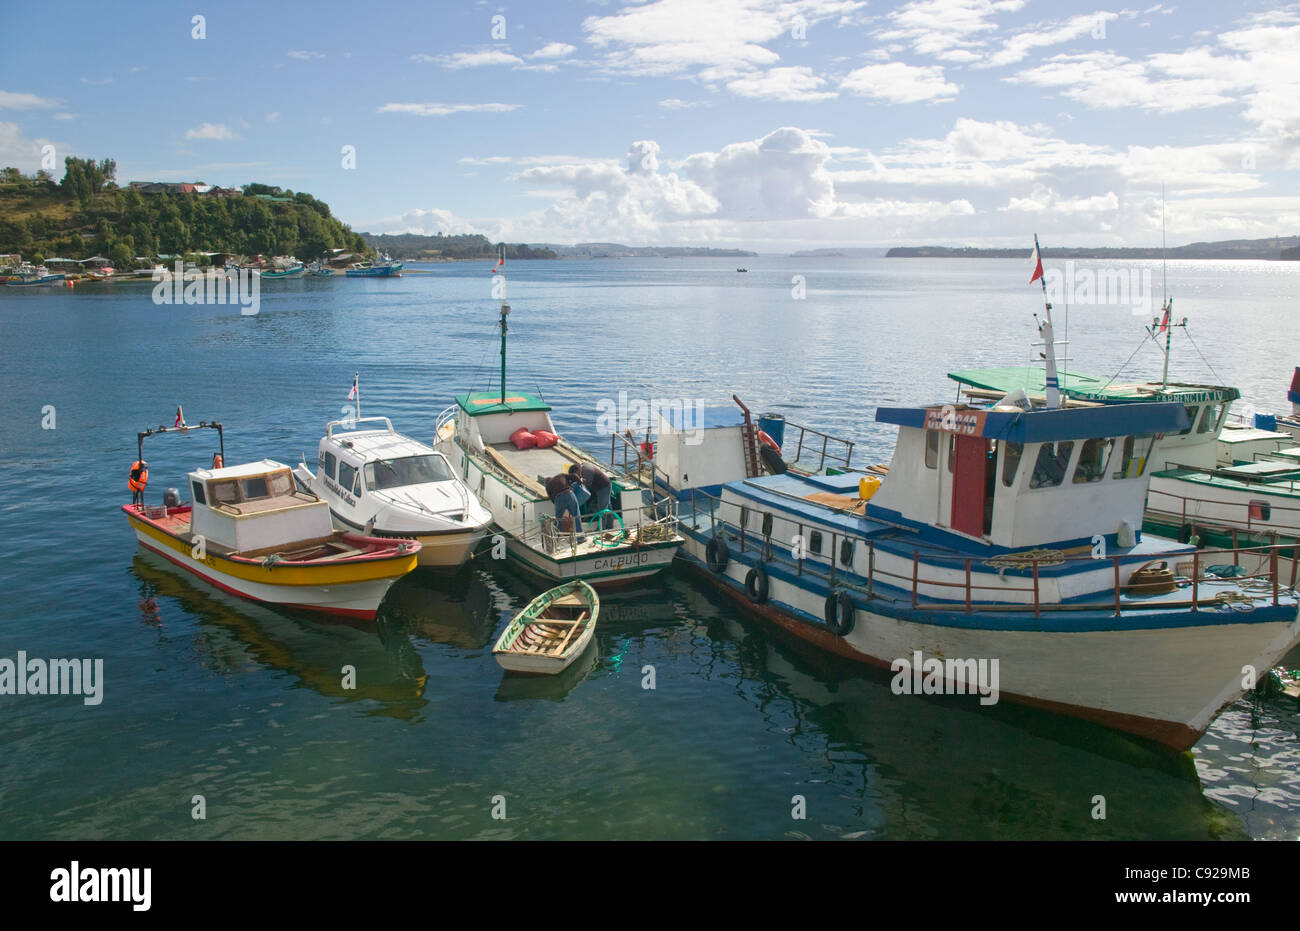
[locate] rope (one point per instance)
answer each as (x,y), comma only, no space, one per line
(1045,557)
(1125,365)
(1188,334)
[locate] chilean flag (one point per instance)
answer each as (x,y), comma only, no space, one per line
(1038,263)
(1164,322)
(352,395)
(180,417)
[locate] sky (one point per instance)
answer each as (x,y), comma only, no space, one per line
(739,123)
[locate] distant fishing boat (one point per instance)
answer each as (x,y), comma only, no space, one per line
(319,270)
(551,632)
(385,267)
(742,269)
(151,271)
(29,276)
(290,270)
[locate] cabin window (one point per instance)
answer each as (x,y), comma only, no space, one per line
(1050,466)
(199,497)
(330,464)
(767,525)
(1092,461)
(347,475)
(409,470)
(952,452)
(1011,453)
(815,542)
(281,484)
(932,449)
(846,552)
(255,487)
(1208,419)
(1192,411)
(1134,452)
(226,492)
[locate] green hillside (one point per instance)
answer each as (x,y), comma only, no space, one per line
(88,214)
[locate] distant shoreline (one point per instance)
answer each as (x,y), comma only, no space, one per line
(1282,248)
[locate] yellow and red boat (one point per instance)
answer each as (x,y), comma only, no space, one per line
(249,531)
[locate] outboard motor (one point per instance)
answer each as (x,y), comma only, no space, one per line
(171,498)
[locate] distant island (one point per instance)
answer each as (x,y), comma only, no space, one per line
(613,250)
(413,247)
(1280,247)
(840,253)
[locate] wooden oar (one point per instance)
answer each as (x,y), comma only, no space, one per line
(576,624)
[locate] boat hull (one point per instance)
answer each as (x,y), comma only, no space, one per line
(345,589)
(1164,684)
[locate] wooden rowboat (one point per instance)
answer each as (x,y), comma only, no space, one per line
(549,634)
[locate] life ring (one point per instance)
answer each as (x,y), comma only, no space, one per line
(217,461)
(756,584)
(768,441)
(717,553)
(840,612)
(138,477)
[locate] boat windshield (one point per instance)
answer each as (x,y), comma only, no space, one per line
(411,470)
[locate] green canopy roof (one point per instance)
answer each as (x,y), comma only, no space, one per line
(1089,387)
(489,402)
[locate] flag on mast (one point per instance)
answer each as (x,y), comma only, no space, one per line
(1164,322)
(1038,263)
(352,395)
(180,417)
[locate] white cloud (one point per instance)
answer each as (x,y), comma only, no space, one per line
(719,40)
(445,109)
(17,101)
(305,55)
(18,151)
(950,30)
(554,50)
(900,83)
(214,131)
(65,116)
(482,59)
(790,84)
(1017,47)
(673,103)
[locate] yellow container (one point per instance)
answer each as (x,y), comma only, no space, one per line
(867,487)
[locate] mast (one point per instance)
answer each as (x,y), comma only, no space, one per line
(1049,340)
(505,312)
(356,383)
(1166,305)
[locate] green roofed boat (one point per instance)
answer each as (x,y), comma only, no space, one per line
(1217,482)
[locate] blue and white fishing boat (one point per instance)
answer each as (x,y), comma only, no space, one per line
(385,267)
(29,276)
(1003,539)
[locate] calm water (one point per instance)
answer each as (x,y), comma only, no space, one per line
(206,694)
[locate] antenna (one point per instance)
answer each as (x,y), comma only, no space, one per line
(505,312)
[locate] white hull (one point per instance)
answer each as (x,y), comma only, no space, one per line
(1165,683)
(1222,507)
(532,664)
(354,598)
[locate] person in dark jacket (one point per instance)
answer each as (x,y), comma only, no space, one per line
(598,484)
(559,490)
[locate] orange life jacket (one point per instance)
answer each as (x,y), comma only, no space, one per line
(138,477)
(217,461)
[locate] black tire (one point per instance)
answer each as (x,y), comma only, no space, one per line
(840,613)
(772,459)
(717,554)
(756,584)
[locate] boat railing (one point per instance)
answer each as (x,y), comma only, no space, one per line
(1258,517)
(654,523)
(1267,572)
(444,417)
(817,444)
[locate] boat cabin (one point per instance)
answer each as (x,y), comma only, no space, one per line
(485,419)
(352,461)
(702,455)
(1020,479)
(254,506)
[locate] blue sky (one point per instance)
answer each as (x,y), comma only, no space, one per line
(766,125)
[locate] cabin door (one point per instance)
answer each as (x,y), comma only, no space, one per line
(969,484)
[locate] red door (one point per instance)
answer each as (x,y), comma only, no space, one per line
(968,484)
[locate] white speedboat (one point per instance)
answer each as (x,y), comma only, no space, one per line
(388,485)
